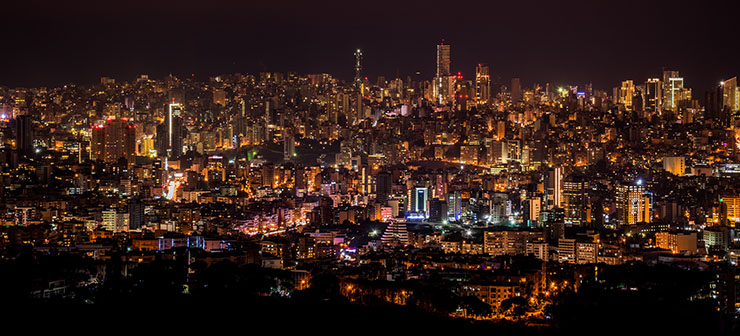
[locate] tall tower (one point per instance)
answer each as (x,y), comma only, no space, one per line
(730,94)
(482,84)
(443,80)
(672,84)
(358,69)
(443,59)
(653,95)
(23,135)
(626,92)
(516,90)
(170,133)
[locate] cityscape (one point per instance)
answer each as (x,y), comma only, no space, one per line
(453,200)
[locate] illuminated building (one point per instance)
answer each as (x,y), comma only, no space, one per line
(395,234)
(576,200)
(482,84)
(358,70)
(730,95)
(443,80)
(677,242)
(586,252)
(114,140)
(219,97)
(492,295)
(170,133)
(634,203)
(653,95)
(626,92)
(419,200)
(672,86)
(509,242)
(567,250)
(469,154)
(675,165)
(730,209)
(553,187)
(454,206)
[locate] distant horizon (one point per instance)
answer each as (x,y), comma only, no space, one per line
(527,84)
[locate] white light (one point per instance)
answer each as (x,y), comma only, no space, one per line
(639,181)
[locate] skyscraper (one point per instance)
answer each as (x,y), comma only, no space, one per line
(383,186)
(553,187)
(653,95)
(288,147)
(634,203)
(516,90)
(443,80)
(626,92)
(730,95)
(24,136)
(576,200)
(443,59)
(170,133)
(672,85)
(482,84)
(358,70)
(114,140)
(135,214)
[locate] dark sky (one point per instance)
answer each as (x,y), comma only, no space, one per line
(56,42)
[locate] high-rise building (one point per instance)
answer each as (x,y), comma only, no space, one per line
(516,90)
(170,133)
(714,108)
(443,59)
(626,92)
(553,187)
(454,206)
(135,214)
(358,70)
(288,147)
(482,84)
(113,140)
(383,186)
(418,200)
(576,202)
(443,79)
(653,95)
(672,85)
(24,136)
(634,203)
(730,99)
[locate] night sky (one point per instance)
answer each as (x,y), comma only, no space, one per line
(49,43)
